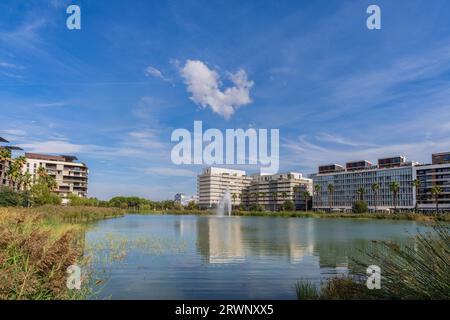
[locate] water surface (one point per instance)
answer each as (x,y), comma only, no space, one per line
(198,257)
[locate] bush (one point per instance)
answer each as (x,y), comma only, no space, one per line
(255,207)
(360,207)
(9,198)
(288,205)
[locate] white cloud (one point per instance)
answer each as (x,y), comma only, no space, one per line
(155,73)
(52,146)
(204,85)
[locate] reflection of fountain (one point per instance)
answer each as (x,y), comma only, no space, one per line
(225,203)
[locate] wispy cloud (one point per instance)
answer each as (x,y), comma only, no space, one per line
(50,104)
(204,85)
(155,73)
(333,138)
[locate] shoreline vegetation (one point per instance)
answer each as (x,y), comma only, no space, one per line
(38,244)
(309,214)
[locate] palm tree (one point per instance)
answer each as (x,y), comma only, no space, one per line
(275,199)
(416,184)
(5,154)
(360,193)
(306,196)
(330,194)
(376,189)
(435,192)
(15,170)
(317,189)
(234,197)
(395,187)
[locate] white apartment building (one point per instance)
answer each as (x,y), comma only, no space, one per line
(268,191)
(213,182)
(358,175)
(271,191)
(71,177)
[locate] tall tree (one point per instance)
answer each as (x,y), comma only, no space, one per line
(376,190)
(395,188)
(330,194)
(416,184)
(317,190)
(361,191)
(435,192)
(306,196)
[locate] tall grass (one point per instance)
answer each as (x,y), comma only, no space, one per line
(418,270)
(38,245)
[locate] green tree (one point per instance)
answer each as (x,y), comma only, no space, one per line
(288,205)
(360,206)
(317,190)
(275,200)
(416,184)
(395,187)
(306,196)
(15,170)
(361,191)
(376,190)
(435,192)
(330,194)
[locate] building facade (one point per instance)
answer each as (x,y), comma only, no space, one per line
(71,177)
(338,190)
(213,182)
(271,191)
(436,174)
(267,191)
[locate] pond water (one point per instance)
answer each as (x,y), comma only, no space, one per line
(207,257)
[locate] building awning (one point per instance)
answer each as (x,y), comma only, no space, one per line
(3,140)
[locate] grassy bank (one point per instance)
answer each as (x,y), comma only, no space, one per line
(37,245)
(419,270)
(312,214)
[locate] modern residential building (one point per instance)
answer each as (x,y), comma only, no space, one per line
(213,182)
(268,191)
(271,191)
(436,174)
(338,189)
(71,177)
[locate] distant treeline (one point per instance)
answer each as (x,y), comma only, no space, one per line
(132,203)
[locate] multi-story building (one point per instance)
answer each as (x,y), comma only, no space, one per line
(71,177)
(431,175)
(268,191)
(340,188)
(271,191)
(213,182)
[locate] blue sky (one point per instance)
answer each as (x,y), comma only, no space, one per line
(112,92)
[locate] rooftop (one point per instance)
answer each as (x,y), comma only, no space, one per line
(38,156)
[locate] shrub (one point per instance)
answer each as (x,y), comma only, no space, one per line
(288,205)
(9,198)
(360,207)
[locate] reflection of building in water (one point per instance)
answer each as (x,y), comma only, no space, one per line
(220,240)
(300,241)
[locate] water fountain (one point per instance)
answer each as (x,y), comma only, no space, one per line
(224,204)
